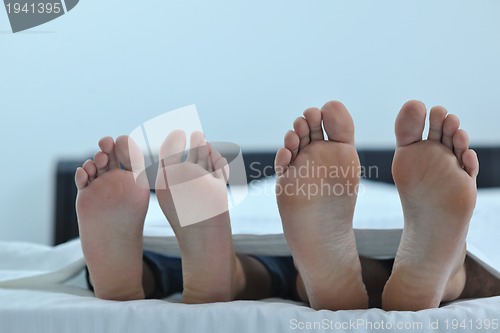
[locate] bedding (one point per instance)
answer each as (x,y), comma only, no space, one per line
(69,310)
(42,289)
(378,223)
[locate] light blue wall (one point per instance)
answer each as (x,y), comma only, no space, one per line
(250,67)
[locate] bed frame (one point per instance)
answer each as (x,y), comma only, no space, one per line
(66,227)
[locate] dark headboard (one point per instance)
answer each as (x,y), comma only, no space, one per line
(66,226)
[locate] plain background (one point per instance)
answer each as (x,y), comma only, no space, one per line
(250,67)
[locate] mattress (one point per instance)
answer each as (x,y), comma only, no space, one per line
(42,288)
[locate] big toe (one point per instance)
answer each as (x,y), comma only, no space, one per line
(130,156)
(410,123)
(171,152)
(172,148)
(337,122)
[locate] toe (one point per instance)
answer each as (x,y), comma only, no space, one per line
(107,145)
(129,155)
(221,168)
(282,161)
(101,160)
(337,122)
(292,142)
(471,163)
(203,153)
(197,139)
(213,158)
(436,121)
(90,169)
(460,144)
(172,148)
(313,117)
(410,123)
(81,178)
(450,126)
(302,129)
(214,155)
(198,150)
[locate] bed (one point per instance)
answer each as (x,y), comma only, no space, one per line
(42,288)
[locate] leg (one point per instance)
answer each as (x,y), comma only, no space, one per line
(375,275)
(148,280)
(187,190)
(265,277)
(111,207)
(436,180)
(258,283)
(479,283)
(316,192)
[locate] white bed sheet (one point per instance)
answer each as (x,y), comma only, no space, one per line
(74,310)
(33,297)
(378,223)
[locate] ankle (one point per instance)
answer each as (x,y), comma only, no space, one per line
(239,281)
(354,298)
(121,294)
(202,296)
(404,294)
(455,285)
(347,294)
(201,288)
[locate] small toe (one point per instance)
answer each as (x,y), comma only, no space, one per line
(302,129)
(410,123)
(436,121)
(81,178)
(471,163)
(450,126)
(337,122)
(172,148)
(292,142)
(313,117)
(107,145)
(90,169)
(460,144)
(282,161)
(197,139)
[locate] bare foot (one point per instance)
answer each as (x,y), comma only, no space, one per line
(436,180)
(316,192)
(111,208)
(193,191)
